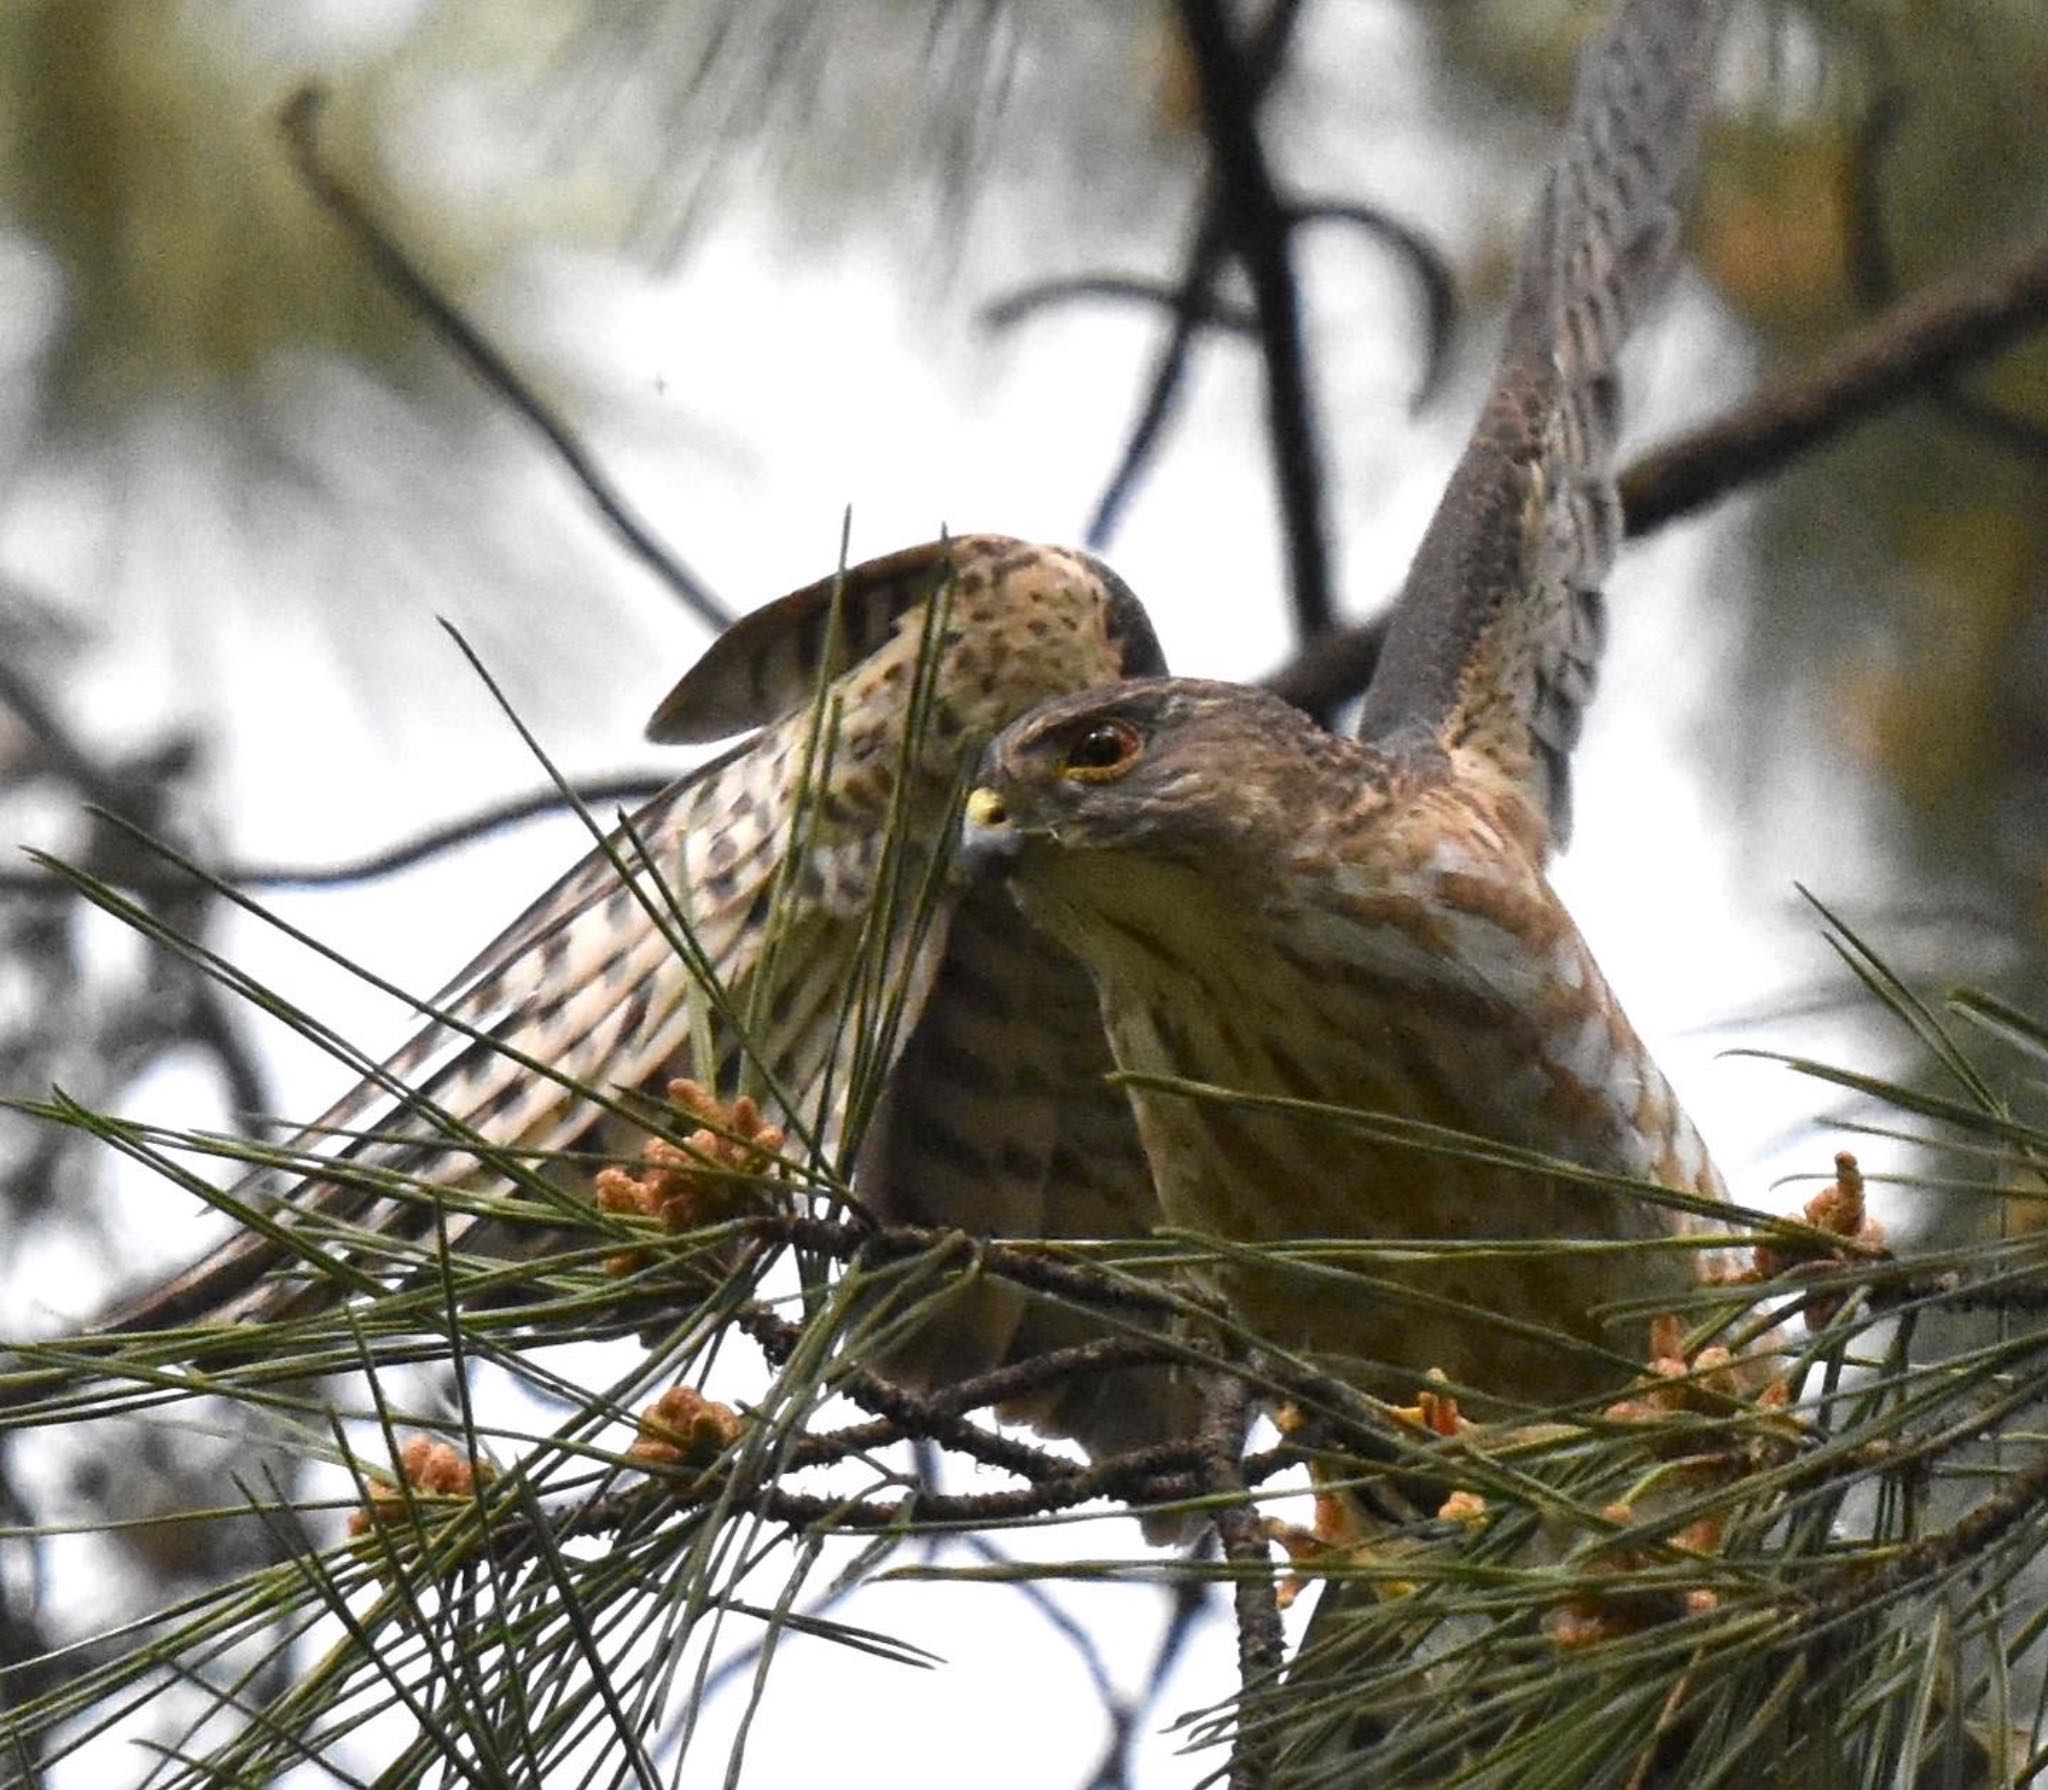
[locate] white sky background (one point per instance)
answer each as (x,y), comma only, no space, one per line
(745,398)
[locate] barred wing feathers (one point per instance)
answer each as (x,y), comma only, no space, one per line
(583,993)
(1493,645)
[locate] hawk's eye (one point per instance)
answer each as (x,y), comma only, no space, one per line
(1107,750)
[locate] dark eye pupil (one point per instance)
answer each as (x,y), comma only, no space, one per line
(1098,749)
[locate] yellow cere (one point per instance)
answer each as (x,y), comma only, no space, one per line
(985,808)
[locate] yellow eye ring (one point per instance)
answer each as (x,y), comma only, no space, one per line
(1103,753)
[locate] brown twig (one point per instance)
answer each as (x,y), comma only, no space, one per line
(1118,1479)
(1261,1644)
(1914,348)
(1857,1593)
(909,1413)
(1055,1366)
(1038,1269)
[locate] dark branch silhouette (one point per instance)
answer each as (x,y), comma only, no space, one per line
(1202,266)
(298,121)
(627,790)
(1211,308)
(1163,390)
(1194,297)
(1258,227)
(1913,349)
(1423,259)
(136,791)
(1192,304)
(1874,278)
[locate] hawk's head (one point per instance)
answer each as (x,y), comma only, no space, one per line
(1116,798)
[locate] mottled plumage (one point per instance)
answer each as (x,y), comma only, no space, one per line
(1366,924)
(1271,910)
(588,988)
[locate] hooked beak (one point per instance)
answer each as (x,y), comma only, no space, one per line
(989,840)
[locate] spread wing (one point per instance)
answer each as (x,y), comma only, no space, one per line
(996,1117)
(767,664)
(583,996)
(586,995)
(1494,641)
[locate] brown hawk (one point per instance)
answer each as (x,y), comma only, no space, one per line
(1310,926)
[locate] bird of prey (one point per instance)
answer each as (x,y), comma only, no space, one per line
(1475,1007)
(921,657)
(1364,924)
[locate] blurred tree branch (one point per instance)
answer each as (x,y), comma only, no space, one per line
(299,123)
(629,789)
(1192,302)
(1874,276)
(125,795)
(1916,347)
(1255,222)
